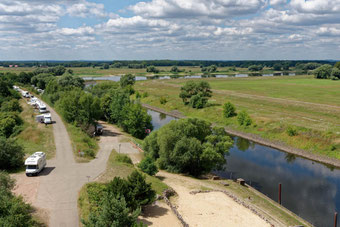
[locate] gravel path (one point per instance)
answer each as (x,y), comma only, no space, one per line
(55,190)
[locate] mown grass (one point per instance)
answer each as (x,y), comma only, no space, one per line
(115,168)
(318,127)
(35,136)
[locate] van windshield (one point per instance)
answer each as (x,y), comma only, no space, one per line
(31,167)
(43,108)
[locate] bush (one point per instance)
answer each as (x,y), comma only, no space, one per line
(244,119)
(195,93)
(229,110)
(90,153)
(291,131)
(148,166)
(145,94)
(123,158)
(163,100)
(11,154)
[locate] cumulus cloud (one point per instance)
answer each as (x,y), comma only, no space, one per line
(194,29)
(197,8)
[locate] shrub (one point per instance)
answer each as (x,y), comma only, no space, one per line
(145,94)
(11,154)
(244,119)
(138,96)
(195,93)
(291,131)
(229,110)
(148,166)
(163,100)
(89,153)
(123,158)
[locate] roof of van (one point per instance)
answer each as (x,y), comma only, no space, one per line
(34,158)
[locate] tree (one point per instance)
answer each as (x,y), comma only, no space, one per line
(127,80)
(69,81)
(254,68)
(337,65)
(102,88)
(9,121)
(277,67)
(195,93)
(152,69)
(106,66)
(11,154)
(174,69)
(113,103)
(229,110)
(188,146)
(114,213)
(136,120)
(244,119)
(335,75)
(12,105)
(141,190)
(323,72)
(148,166)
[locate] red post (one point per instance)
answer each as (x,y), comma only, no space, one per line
(280,189)
(335,219)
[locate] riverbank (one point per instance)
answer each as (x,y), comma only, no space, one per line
(258,139)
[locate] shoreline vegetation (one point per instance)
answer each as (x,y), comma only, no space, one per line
(258,139)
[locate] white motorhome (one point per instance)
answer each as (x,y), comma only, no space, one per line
(35,163)
(42,107)
(47,118)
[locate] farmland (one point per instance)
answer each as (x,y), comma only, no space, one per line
(308,105)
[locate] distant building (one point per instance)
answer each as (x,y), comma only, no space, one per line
(10,66)
(16,66)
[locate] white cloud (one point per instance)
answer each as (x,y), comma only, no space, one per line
(197,8)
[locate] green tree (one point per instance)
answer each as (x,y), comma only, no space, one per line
(229,110)
(337,65)
(9,121)
(11,154)
(12,105)
(150,145)
(141,190)
(148,166)
(244,119)
(254,68)
(195,93)
(106,66)
(335,74)
(152,69)
(102,88)
(174,69)
(136,120)
(126,80)
(114,213)
(323,72)
(113,104)
(277,67)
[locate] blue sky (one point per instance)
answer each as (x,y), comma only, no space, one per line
(169,29)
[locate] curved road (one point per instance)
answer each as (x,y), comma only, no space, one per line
(62,179)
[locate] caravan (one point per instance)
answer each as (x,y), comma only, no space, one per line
(35,163)
(42,107)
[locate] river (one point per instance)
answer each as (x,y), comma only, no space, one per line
(309,189)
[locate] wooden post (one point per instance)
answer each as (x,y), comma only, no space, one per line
(335,219)
(280,190)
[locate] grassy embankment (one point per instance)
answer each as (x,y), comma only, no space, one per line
(35,136)
(115,168)
(274,103)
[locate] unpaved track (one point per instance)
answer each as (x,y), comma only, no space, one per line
(62,179)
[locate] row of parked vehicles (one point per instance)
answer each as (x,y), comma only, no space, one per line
(37,161)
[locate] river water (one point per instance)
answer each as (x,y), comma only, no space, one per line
(309,189)
(139,78)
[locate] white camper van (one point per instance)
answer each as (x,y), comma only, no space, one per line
(47,118)
(35,163)
(42,107)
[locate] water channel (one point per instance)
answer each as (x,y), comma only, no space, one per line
(140,78)
(309,189)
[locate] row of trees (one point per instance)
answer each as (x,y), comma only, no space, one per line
(328,72)
(119,202)
(146,63)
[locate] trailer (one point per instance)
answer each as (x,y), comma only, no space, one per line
(35,163)
(44,118)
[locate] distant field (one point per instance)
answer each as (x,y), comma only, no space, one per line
(97,72)
(310,106)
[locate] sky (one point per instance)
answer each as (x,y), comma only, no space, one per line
(169,29)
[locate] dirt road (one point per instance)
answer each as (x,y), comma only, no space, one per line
(56,189)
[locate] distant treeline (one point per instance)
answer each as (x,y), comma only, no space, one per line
(146,63)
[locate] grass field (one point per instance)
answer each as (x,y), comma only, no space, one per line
(310,106)
(164,70)
(35,136)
